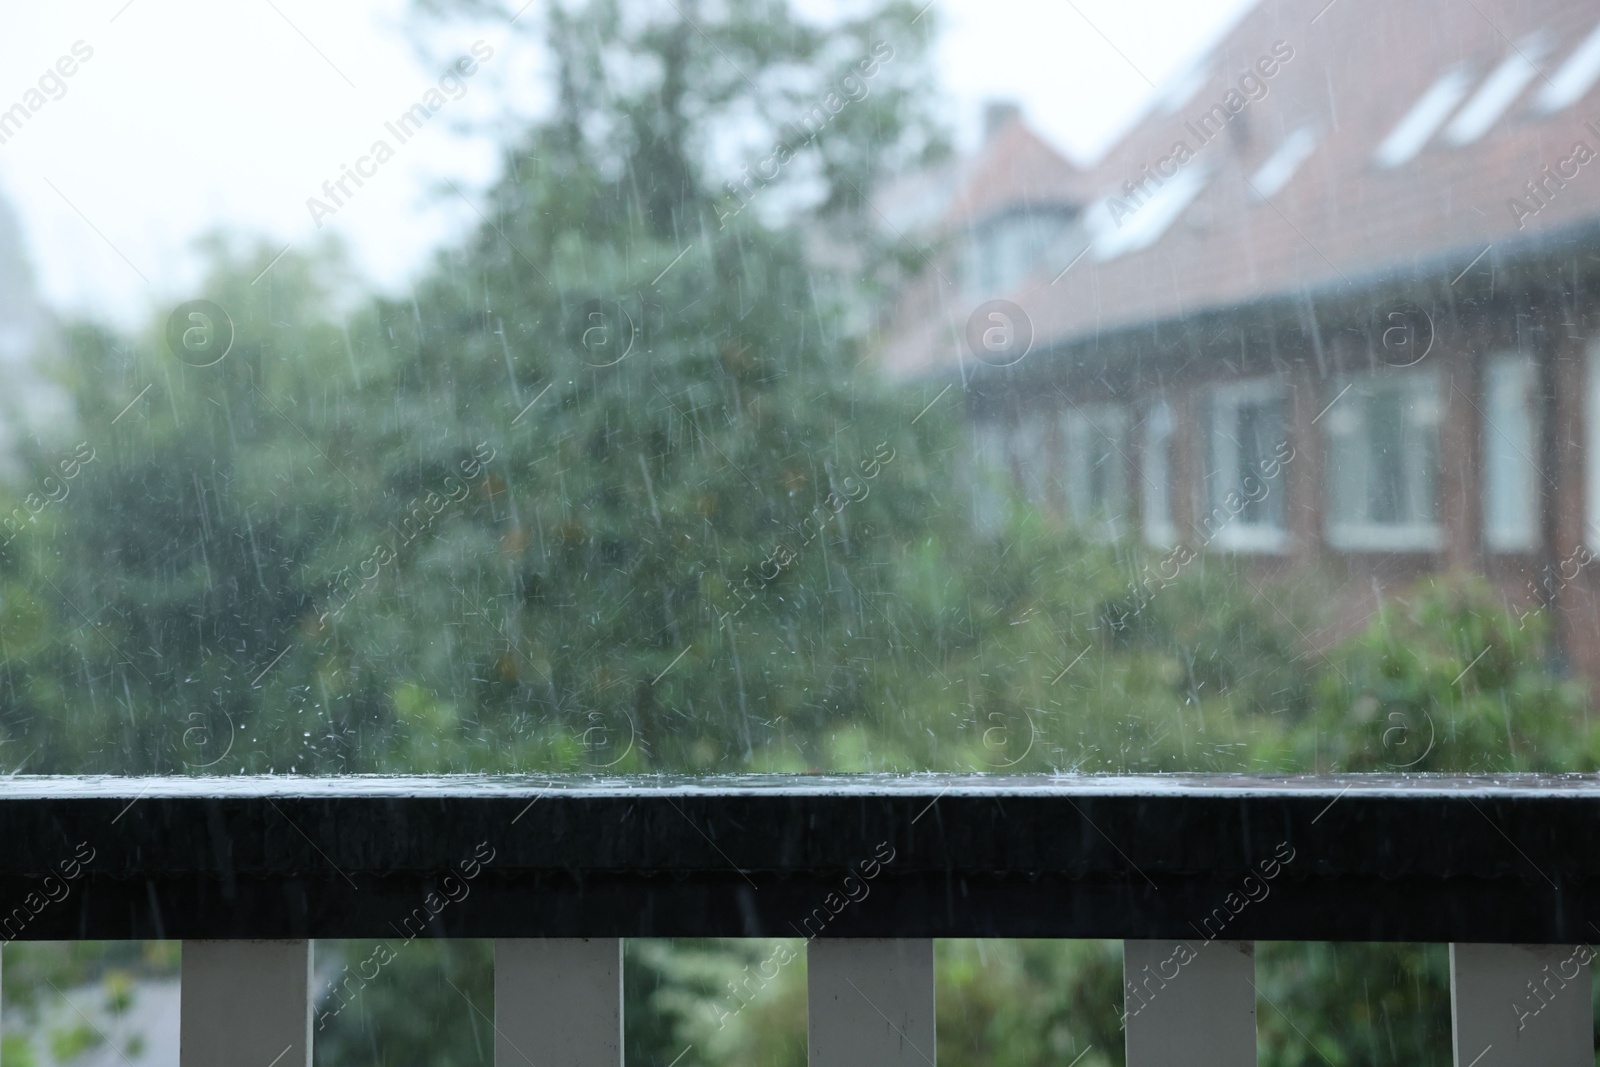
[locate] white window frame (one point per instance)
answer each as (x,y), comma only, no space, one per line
(1510,449)
(1077,423)
(1361,535)
(1222,455)
(1155,470)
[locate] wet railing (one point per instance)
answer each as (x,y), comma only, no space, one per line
(1188,871)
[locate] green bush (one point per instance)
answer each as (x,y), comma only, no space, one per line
(1446,679)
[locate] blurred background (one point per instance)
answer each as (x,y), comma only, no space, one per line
(729,386)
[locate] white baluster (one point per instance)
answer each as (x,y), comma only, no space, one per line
(245,1004)
(558,1002)
(870,1003)
(1521,1006)
(1189,1003)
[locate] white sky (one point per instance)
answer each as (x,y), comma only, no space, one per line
(195,115)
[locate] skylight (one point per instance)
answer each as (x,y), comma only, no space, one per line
(1180,90)
(1498,90)
(1425,116)
(1144,226)
(1576,76)
(1270,178)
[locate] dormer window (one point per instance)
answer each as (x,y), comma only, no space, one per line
(1007,248)
(1425,117)
(1575,78)
(1275,173)
(1498,91)
(1119,225)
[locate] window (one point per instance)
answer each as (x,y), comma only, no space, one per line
(1096,467)
(1005,250)
(988,477)
(1575,77)
(655,393)
(1425,116)
(1498,90)
(1121,224)
(1032,452)
(1156,482)
(1383,460)
(1247,454)
(1511,473)
(1276,172)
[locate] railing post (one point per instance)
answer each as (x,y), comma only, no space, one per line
(870,1003)
(245,1002)
(1521,1005)
(1189,1003)
(558,1002)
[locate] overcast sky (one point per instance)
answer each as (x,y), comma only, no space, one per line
(193,115)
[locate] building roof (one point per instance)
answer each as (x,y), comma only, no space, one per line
(1016,168)
(1390,140)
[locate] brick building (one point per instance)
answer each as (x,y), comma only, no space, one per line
(1329,304)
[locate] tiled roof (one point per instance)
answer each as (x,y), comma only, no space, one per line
(1017,168)
(1360,75)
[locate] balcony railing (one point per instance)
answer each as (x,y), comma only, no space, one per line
(1189,871)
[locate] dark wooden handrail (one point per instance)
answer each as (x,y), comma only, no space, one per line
(1509,858)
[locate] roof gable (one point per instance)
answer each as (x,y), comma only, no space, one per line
(1319,151)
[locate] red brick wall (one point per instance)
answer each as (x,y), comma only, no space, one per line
(1363,579)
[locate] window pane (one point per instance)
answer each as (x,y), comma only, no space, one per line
(1156,469)
(1033,450)
(1511,472)
(1382,431)
(1248,445)
(1260,434)
(1388,500)
(656,387)
(1096,459)
(622,387)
